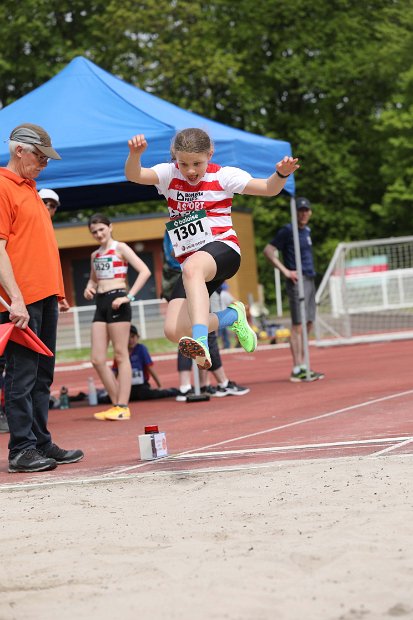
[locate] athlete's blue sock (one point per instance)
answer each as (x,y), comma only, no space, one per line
(226,317)
(200,333)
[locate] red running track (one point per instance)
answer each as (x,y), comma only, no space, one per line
(361,408)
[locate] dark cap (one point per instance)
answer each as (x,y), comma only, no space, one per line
(133,330)
(302,203)
(36,135)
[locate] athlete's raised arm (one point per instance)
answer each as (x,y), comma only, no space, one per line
(133,167)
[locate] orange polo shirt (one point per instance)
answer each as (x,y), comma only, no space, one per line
(26,225)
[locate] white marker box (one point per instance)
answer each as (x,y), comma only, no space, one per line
(152,446)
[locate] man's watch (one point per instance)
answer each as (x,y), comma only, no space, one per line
(130,297)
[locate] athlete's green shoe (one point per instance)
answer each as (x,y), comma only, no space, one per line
(246,336)
(195,350)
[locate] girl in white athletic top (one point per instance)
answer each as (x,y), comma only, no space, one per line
(199,195)
(112,320)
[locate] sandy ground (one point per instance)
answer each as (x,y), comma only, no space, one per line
(323,539)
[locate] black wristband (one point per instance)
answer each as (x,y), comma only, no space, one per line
(282,176)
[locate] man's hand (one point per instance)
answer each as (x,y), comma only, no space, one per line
(18,314)
(292,275)
(63,305)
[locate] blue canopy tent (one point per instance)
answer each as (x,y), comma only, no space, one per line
(90,114)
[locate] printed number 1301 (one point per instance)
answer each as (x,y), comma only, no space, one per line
(183,232)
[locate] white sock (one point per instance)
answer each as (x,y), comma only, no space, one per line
(185,388)
(224,384)
(296,369)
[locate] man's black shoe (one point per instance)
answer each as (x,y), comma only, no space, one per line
(61,456)
(30,460)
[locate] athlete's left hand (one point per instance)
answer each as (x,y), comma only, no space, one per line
(118,301)
(287,165)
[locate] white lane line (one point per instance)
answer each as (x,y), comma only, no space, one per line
(304,421)
(309,446)
(283,426)
(395,447)
(142,464)
(177,472)
(150,474)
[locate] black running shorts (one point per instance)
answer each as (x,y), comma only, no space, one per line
(227,260)
(104,311)
(294,301)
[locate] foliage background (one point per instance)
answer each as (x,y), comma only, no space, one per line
(332,77)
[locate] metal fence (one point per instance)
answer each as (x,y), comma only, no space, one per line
(74,327)
(367,292)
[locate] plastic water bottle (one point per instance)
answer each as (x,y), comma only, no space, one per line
(64,398)
(92,393)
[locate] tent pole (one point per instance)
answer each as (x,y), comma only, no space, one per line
(278,295)
(197,385)
(301,296)
(197,396)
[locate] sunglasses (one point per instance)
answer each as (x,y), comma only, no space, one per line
(42,159)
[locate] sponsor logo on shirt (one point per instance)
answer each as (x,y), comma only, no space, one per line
(188,196)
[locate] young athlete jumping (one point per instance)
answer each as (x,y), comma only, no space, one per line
(199,195)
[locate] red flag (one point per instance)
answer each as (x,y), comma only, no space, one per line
(25,337)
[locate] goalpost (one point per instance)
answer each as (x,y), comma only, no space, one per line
(367,293)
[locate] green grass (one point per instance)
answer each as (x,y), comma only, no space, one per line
(160,345)
(73,355)
(155,346)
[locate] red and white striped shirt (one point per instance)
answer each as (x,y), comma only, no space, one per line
(109,265)
(213,193)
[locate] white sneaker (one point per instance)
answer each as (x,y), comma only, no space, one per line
(232,389)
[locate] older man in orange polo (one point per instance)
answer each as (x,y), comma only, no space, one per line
(31,282)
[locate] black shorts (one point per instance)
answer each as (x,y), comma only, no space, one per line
(104,311)
(309,300)
(227,260)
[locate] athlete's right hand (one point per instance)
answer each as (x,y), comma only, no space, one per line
(137,144)
(89,293)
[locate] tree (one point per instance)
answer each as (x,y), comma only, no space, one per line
(38,38)
(394,125)
(332,77)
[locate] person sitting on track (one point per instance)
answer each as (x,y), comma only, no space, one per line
(142,371)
